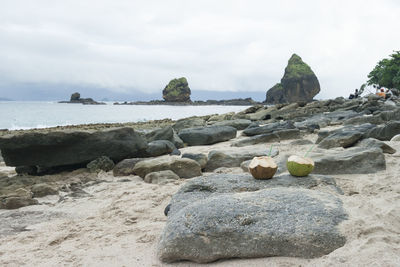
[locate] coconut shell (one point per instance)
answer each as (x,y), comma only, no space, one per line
(299,166)
(263,167)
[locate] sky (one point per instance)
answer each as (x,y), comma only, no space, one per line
(118,48)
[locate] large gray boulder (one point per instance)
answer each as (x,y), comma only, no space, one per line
(198,157)
(70,146)
(166,133)
(239,124)
(207,135)
(192,122)
(385,132)
(235,216)
(268,128)
(183,167)
(372,142)
(159,147)
(101,164)
(275,136)
(233,157)
(340,139)
(355,160)
(126,166)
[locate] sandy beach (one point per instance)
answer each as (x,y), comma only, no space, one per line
(120,221)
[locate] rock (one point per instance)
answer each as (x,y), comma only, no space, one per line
(70,147)
(236,216)
(160,177)
(383,133)
(257,139)
(233,157)
(42,189)
(76,99)
(340,139)
(299,166)
(262,114)
(188,123)
(269,128)
(362,129)
(175,152)
(298,84)
(20,198)
(166,133)
(207,135)
(220,117)
(263,167)
(126,166)
(26,170)
(201,159)
(183,167)
(101,164)
(239,124)
(371,142)
(395,138)
(301,142)
(159,147)
(355,160)
(177,90)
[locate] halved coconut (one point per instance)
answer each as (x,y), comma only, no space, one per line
(263,167)
(299,166)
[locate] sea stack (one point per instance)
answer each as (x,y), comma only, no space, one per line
(177,90)
(298,84)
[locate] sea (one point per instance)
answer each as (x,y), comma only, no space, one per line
(17,115)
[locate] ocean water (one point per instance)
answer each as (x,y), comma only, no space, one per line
(26,115)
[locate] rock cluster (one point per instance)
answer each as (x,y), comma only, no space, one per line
(298,84)
(76,99)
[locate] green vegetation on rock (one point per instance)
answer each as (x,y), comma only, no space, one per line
(177,90)
(387,72)
(296,68)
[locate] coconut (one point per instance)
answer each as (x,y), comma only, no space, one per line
(299,166)
(263,167)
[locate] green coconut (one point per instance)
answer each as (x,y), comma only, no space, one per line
(299,166)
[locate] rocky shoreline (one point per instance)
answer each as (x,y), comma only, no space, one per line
(220,211)
(229,102)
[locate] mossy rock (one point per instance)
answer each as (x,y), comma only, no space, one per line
(177,90)
(297,68)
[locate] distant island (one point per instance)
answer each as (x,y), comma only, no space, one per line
(5,99)
(76,99)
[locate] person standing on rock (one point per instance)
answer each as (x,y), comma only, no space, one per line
(381,93)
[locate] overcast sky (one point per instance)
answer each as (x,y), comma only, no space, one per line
(128,46)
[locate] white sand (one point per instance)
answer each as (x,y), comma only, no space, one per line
(120,223)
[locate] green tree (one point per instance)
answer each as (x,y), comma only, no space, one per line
(387,72)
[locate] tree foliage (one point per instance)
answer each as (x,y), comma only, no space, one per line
(387,72)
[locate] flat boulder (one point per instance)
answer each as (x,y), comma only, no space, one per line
(183,167)
(198,157)
(70,146)
(385,132)
(166,133)
(355,160)
(126,166)
(159,147)
(236,216)
(233,157)
(207,135)
(239,124)
(340,139)
(268,128)
(372,142)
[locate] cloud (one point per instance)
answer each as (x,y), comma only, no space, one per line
(218,45)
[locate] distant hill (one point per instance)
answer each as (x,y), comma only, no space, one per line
(5,99)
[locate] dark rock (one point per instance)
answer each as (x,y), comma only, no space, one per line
(207,135)
(160,177)
(355,160)
(60,148)
(183,167)
(101,164)
(26,170)
(257,139)
(76,99)
(239,124)
(340,139)
(201,159)
(385,132)
(301,142)
(159,147)
(371,142)
(166,210)
(269,128)
(177,90)
(126,166)
(166,133)
(299,83)
(175,152)
(362,129)
(42,189)
(222,217)
(233,157)
(188,123)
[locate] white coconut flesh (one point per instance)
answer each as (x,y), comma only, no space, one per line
(266,162)
(301,160)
